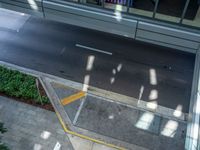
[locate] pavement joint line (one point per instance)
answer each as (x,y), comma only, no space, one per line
(78,112)
(135,107)
(93,49)
(56,104)
(116,97)
(72,98)
(68,128)
(51,79)
(85,137)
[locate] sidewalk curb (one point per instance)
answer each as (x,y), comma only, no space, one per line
(119,98)
(47,79)
(69,128)
(67,124)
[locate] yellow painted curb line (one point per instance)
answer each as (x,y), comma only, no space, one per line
(72,98)
(85,137)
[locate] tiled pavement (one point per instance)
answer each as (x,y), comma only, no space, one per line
(131,125)
(33,128)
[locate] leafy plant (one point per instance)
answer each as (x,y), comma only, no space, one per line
(16,84)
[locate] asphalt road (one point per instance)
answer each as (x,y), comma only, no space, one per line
(106,61)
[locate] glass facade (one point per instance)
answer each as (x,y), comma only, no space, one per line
(116,5)
(185,12)
(170,10)
(142,7)
(192,15)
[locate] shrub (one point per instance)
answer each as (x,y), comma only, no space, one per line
(19,85)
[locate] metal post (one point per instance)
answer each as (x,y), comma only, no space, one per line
(128,5)
(42,3)
(155,8)
(184,11)
(191,142)
(103,3)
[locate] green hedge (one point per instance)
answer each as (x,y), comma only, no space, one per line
(16,84)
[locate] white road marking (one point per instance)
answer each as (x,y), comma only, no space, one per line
(93,49)
(57,146)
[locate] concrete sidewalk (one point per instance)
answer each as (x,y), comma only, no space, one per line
(33,128)
(103,117)
(115,123)
(30,127)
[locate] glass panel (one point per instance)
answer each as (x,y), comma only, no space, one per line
(142,7)
(71,0)
(117,5)
(170,10)
(92,2)
(192,16)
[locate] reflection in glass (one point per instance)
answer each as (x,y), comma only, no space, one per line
(170,128)
(170,10)
(145,121)
(92,2)
(117,5)
(142,7)
(192,15)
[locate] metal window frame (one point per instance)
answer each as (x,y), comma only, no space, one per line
(184,11)
(193,130)
(155,9)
